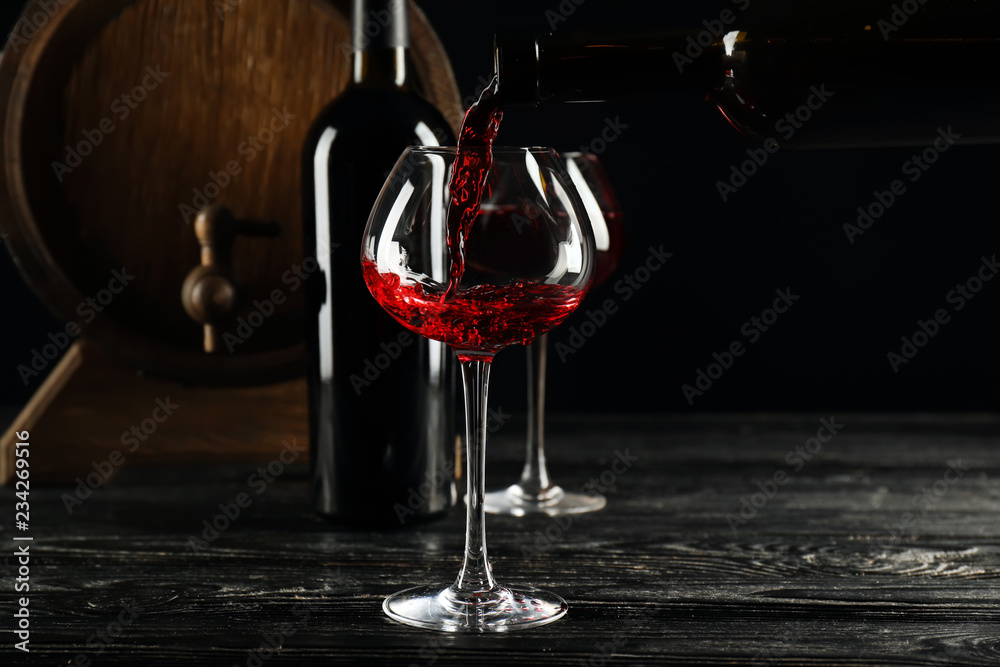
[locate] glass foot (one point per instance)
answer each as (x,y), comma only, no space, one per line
(443,608)
(553,501)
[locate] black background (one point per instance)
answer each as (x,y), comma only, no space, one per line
(782,230)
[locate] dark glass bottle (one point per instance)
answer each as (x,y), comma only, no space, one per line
(817,74)
(381,399)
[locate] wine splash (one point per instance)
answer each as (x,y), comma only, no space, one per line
(472,169)
(483,318)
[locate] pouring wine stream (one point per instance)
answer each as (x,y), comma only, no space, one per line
(472,169)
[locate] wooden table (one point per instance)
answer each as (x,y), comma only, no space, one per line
(880,545)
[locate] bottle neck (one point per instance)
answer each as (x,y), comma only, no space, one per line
(771,78)
(381,40)
(586,68)
(382,67)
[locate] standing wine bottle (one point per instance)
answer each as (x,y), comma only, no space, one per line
(381,400)
(813,75)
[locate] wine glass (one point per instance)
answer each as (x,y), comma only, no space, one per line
(523,267)
(535,493)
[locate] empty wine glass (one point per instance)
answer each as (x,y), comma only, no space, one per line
(535,493)
(527,262)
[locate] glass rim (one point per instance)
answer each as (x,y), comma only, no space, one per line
(501,150)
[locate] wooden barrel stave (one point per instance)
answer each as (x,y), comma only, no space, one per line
(232,76)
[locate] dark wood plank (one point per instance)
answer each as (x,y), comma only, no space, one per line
(815,577)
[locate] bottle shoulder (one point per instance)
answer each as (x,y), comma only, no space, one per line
(382,111)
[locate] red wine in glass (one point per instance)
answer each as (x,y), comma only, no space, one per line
(480,319)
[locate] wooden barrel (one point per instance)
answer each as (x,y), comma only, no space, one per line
(122,117)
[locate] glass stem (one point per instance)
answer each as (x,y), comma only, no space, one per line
(535,476)
(476,575)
